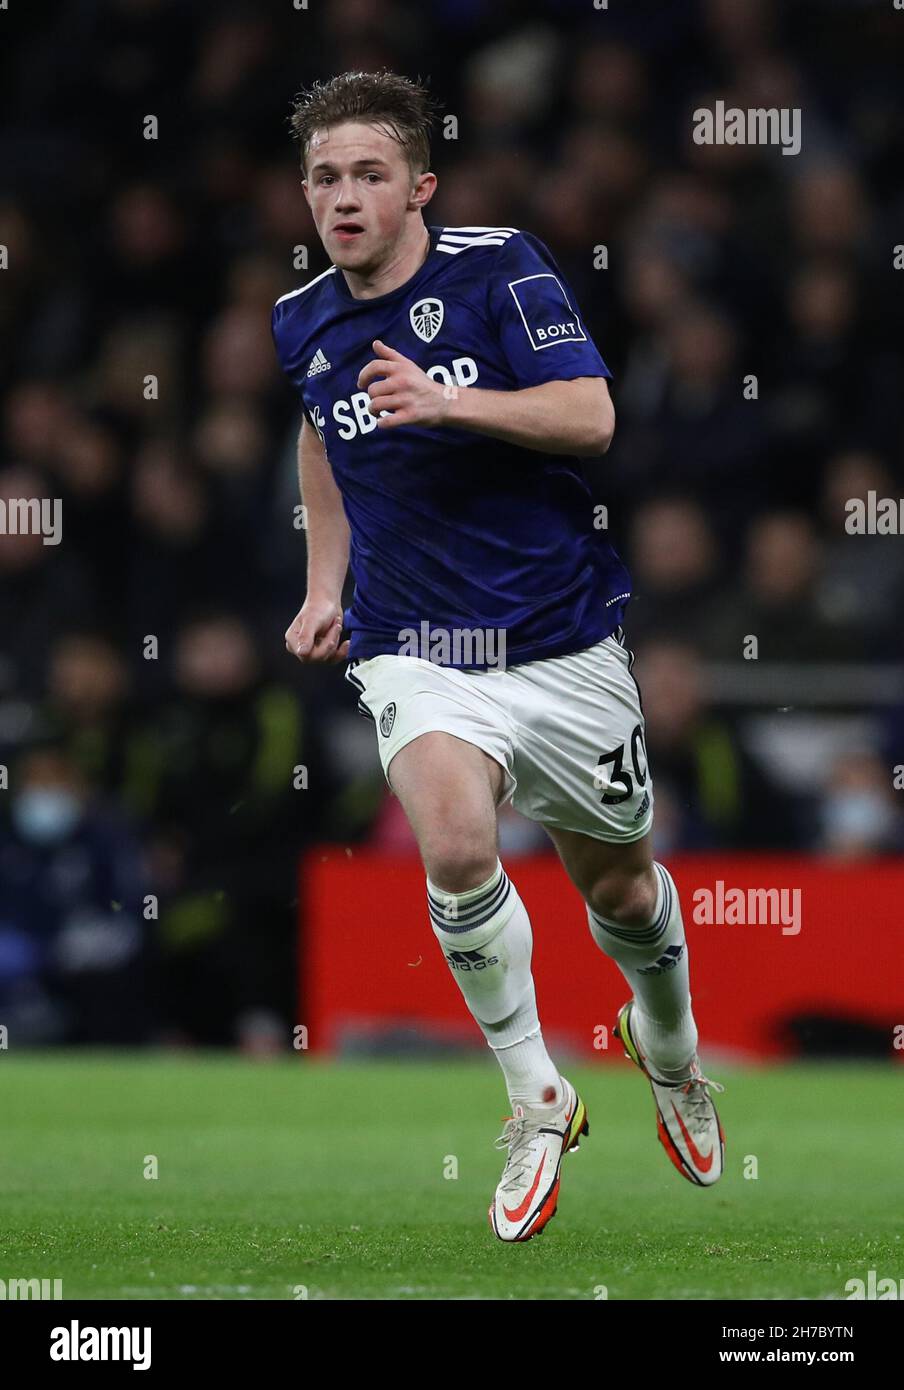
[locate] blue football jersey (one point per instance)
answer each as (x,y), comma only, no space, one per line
(451,528)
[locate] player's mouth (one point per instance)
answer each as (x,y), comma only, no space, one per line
(348,231)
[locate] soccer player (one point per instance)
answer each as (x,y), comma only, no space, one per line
(450,390)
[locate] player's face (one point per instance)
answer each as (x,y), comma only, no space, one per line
(360,189)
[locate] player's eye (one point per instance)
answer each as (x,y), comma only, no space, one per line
(374,177)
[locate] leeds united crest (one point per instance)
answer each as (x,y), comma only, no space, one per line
(426,318)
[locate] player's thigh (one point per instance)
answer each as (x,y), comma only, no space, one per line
(449,790)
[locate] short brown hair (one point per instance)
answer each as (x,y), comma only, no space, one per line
(404,106)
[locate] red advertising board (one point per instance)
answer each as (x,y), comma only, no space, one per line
(831,946)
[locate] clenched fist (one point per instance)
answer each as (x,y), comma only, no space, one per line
(314,635)
(395,383)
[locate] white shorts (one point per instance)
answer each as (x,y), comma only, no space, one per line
(567,730)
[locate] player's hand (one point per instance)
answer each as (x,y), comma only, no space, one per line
(315,633)
(395,383)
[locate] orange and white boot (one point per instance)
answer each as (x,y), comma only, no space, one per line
(536,1140)
(686,1118)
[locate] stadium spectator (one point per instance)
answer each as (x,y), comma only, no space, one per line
(861,815)
(243,787)
(777,600)
(75,944)
(676,570)
(862,582)
(709,791)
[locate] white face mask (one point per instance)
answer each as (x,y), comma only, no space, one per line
(45,815)
(860,815)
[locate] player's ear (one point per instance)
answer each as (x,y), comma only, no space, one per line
(307,192)
(422,190)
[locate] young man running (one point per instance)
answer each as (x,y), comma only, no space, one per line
(449,389)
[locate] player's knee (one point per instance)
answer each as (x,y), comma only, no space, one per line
(458,865)
(626,898)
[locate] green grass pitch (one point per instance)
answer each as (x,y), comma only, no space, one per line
(327,1180)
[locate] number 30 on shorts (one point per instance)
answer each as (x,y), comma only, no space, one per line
(620,775)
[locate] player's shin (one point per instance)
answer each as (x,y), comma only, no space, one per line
(654,961)
(486,937)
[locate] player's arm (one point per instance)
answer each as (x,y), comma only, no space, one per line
(314,635)
(558,417)
(558,401)
(555,417)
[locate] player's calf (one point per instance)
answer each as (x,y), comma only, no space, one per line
(626,897)
(652,956)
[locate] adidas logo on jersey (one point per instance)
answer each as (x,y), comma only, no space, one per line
(319,363)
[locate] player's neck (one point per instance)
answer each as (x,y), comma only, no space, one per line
(406,260)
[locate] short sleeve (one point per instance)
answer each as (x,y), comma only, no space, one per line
(536,317)
(276,328)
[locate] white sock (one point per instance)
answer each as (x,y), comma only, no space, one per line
(654,961)
(486,938)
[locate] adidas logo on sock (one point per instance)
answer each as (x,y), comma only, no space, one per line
(469,960)
(319,363)
(665,962)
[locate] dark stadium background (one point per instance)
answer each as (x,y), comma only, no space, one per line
(129,257)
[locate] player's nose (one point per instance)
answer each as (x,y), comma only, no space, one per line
(347,196)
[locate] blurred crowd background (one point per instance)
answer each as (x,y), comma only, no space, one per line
(161,772)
